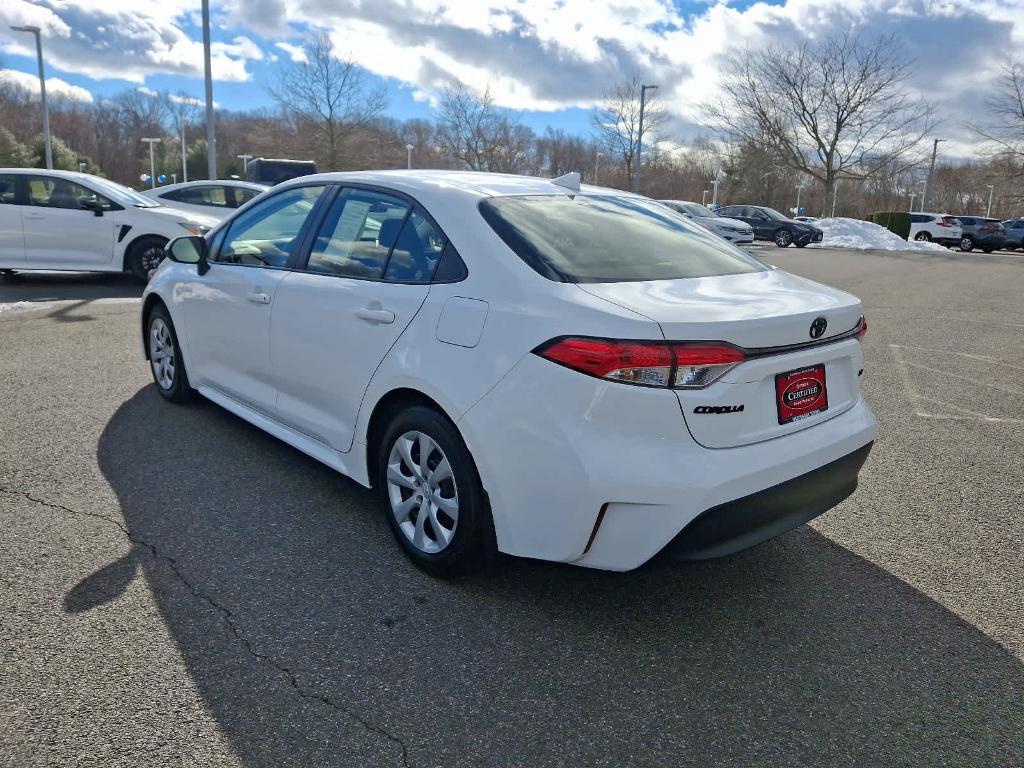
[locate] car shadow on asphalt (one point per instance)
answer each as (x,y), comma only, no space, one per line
(314,642)
(68,286)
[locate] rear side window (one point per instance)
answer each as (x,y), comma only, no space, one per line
(357,234)
(8,189)
(606,239)
(213,196)
(416,252)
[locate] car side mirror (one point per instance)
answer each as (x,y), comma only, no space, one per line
(189,250)
(91,204)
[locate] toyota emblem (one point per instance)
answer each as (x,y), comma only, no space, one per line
(818,327)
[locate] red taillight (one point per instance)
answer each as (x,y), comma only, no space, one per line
(862,331)
(652,364)
(944,223)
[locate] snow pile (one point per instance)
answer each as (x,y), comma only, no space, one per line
(16,305)
(863,235)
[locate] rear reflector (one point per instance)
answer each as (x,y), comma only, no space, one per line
(683,365)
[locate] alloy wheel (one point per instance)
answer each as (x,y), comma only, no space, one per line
(161,353)
(151,258)
(783,238)
(422,492)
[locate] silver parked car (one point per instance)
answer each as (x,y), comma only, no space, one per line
(733,230)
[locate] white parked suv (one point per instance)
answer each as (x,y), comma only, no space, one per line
(216,199)
(939,228)
(74,221)
(521,364)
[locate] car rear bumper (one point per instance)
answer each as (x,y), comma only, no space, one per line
(737,525)
(995,242)
(809,237)
(605,475)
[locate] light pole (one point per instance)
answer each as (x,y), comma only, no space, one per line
(988,211)
(912,196)
(714,182)
(42,91)
(408,156)
(924,189)
(799,189)
(245,161)
(640,136)
(184,154)
(211,139)
(597,161)
(835,194)
(704,197)
(926,200)
(152,162)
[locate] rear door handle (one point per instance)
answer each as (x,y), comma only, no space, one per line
(382,316)
(259,298)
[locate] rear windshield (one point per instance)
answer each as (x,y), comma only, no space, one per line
(591,239)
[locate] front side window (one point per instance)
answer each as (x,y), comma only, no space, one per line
(265,235)
(606,239)
(357,234)
(55,192)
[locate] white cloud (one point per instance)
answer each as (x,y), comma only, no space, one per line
(54,85)
(296,52)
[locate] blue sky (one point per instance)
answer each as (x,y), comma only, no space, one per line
(550,59)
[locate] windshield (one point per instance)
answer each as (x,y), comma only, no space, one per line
(120,193)
(591,239)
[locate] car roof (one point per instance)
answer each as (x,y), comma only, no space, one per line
(72,175)
(256,187)
(472,184)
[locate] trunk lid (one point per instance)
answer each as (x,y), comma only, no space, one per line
(768,314)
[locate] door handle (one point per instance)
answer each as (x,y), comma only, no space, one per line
(381,316)
(259,298)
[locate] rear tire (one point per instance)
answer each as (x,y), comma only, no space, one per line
(923,237)
(800,245)
(783,238)
(433,499)
(165,360)
(145,255)
(967,244)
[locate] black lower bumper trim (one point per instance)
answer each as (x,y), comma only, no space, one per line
(743,523)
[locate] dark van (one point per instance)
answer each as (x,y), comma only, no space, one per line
(265,171)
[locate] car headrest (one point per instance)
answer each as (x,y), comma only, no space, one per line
(389,232)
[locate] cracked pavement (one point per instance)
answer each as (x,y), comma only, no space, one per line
(177,588)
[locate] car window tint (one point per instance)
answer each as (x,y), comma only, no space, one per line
(357,234)
(264,235)
(243,196)
(211,195)
(607,239)
(451,268)
(55,192)
(8,188)
(416,252)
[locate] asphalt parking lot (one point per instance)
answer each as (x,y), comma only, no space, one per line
(178,588)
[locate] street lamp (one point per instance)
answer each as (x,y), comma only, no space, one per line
(245,161)
(929,192)
(714,182)
(704,198)
(408,156)
(211,138)
(42,91)
(924,190)
(912,196)
(799,189)
(597,160)
(988,211)
(640,136)
(152,162)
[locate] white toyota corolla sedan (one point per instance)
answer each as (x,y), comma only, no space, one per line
(521,365)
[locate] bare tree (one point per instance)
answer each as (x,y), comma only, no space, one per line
(475,132)
(828,108)
(617,122)
(331,94)
(182,110)
(1006,110)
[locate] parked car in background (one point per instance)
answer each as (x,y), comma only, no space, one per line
(268,171)
(981,232)
(74,221)
(217,199)
(1014,233)
(733,230)
(769,224)
(521,364)
(935,227)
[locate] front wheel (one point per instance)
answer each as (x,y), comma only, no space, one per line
(783,238)
(966,244)
(435,504)
(145,256)
(165,360)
